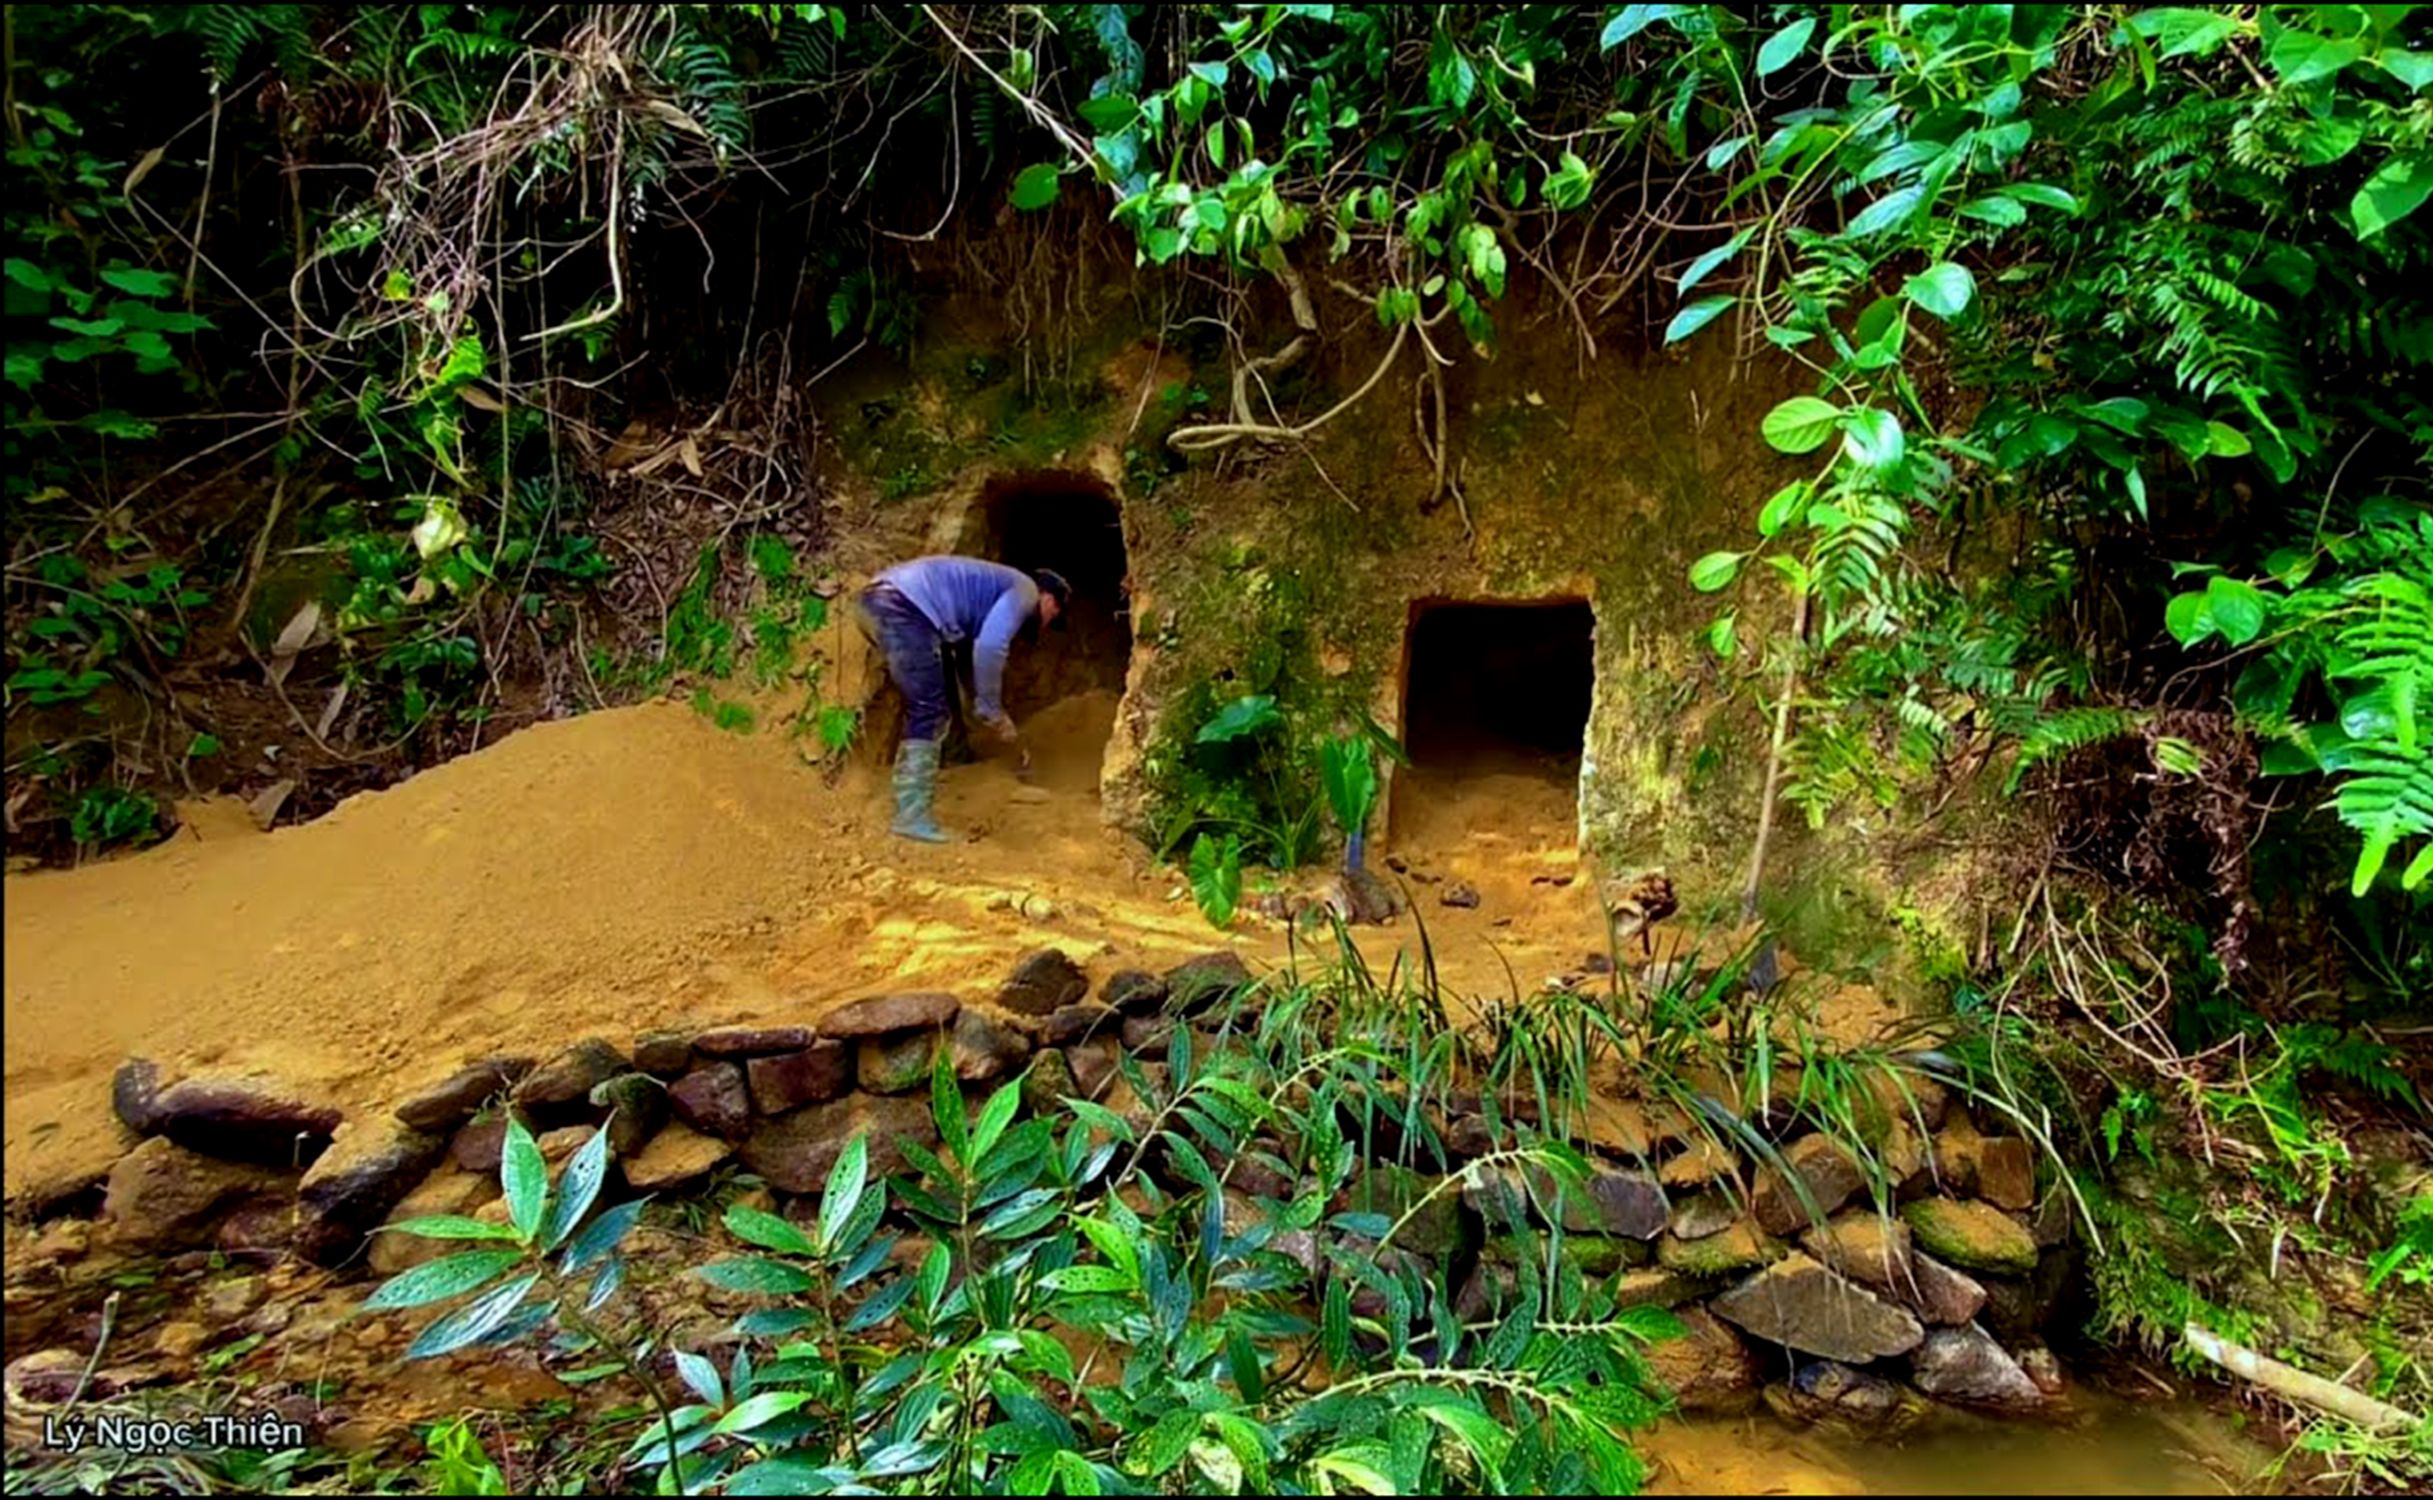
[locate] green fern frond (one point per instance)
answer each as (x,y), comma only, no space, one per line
(2066,731)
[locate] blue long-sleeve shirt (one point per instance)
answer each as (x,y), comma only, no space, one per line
(970,598)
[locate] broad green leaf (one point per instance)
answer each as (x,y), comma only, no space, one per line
(2227,441)
(1944,289)
(2184,29)
(844,1194)
(1801,425)
(1999,209)
(1872,438)
(767,1277)
(1216,877)
(1696,316)
(1723,636)
(577,1189)
(438,1280)
(1630,21)
(702,1377)
(1785,508)
(758,1227)
(1109,114)
(2188,619)
(2415,69)
(601,1236)
(473,1321)
(1035,187)
(140,283)
(2121,413)
(1783,47)
(2237,608)
(2302,56)
(1087,1279)
(2397,189)
(450,1227)
(994,1117)
(1715,570)
(2043,194)
(1887,212)
(1705,264)
(1243,716)
(757,1411)
(526,1178)
(29,275)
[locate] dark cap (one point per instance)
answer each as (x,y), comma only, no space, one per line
(1052,584)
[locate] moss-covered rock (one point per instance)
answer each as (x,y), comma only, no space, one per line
(1743,1247)
(1977,1236)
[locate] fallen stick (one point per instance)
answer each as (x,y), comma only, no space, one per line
(2296,1385)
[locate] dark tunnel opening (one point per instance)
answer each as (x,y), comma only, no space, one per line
(1494,689)
(1070,523)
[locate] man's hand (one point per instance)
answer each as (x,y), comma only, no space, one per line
(1003,726)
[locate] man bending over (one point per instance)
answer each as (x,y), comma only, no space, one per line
(915,611)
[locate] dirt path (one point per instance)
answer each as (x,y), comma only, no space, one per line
(625,870)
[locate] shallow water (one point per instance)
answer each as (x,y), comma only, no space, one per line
(2166,1449)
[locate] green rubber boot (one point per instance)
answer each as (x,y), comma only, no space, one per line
(916,792)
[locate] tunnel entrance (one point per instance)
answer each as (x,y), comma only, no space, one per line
(1061,685)
(1494,716)
(1067,522)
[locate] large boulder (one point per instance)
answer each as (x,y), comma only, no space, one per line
(1974,1236)
(664,1054)
(569,1077)
(751,1041)
(1210,979)
(1864,1246)
(367,1171)
(1966,1365)
(1043,982)
(1700,1163)
(882,1015)
(1940,1294)
(244,1119)
(1629,1204)
(789,1080)
(162,1196)
(1709,1368)
(135,1093)
(794,1152)
(449,1191)
(676,1157)
(1073,1023)
(896,1064)
(1092,1066)
(1827,1171)
(986,1049)
(2006,1171)
(637,1107)
(1800,1304)
(1133,991)
(1740,1248)
(479,1146)
(454,1099)
(713,1100)
(1854,1404)
(1694,1218)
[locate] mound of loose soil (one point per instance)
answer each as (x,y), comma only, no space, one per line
(633,869)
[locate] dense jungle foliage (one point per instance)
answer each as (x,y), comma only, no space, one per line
(324,323)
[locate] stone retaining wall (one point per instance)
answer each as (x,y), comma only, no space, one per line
(1785,1272)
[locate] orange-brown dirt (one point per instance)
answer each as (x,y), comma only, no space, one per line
(638,868)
